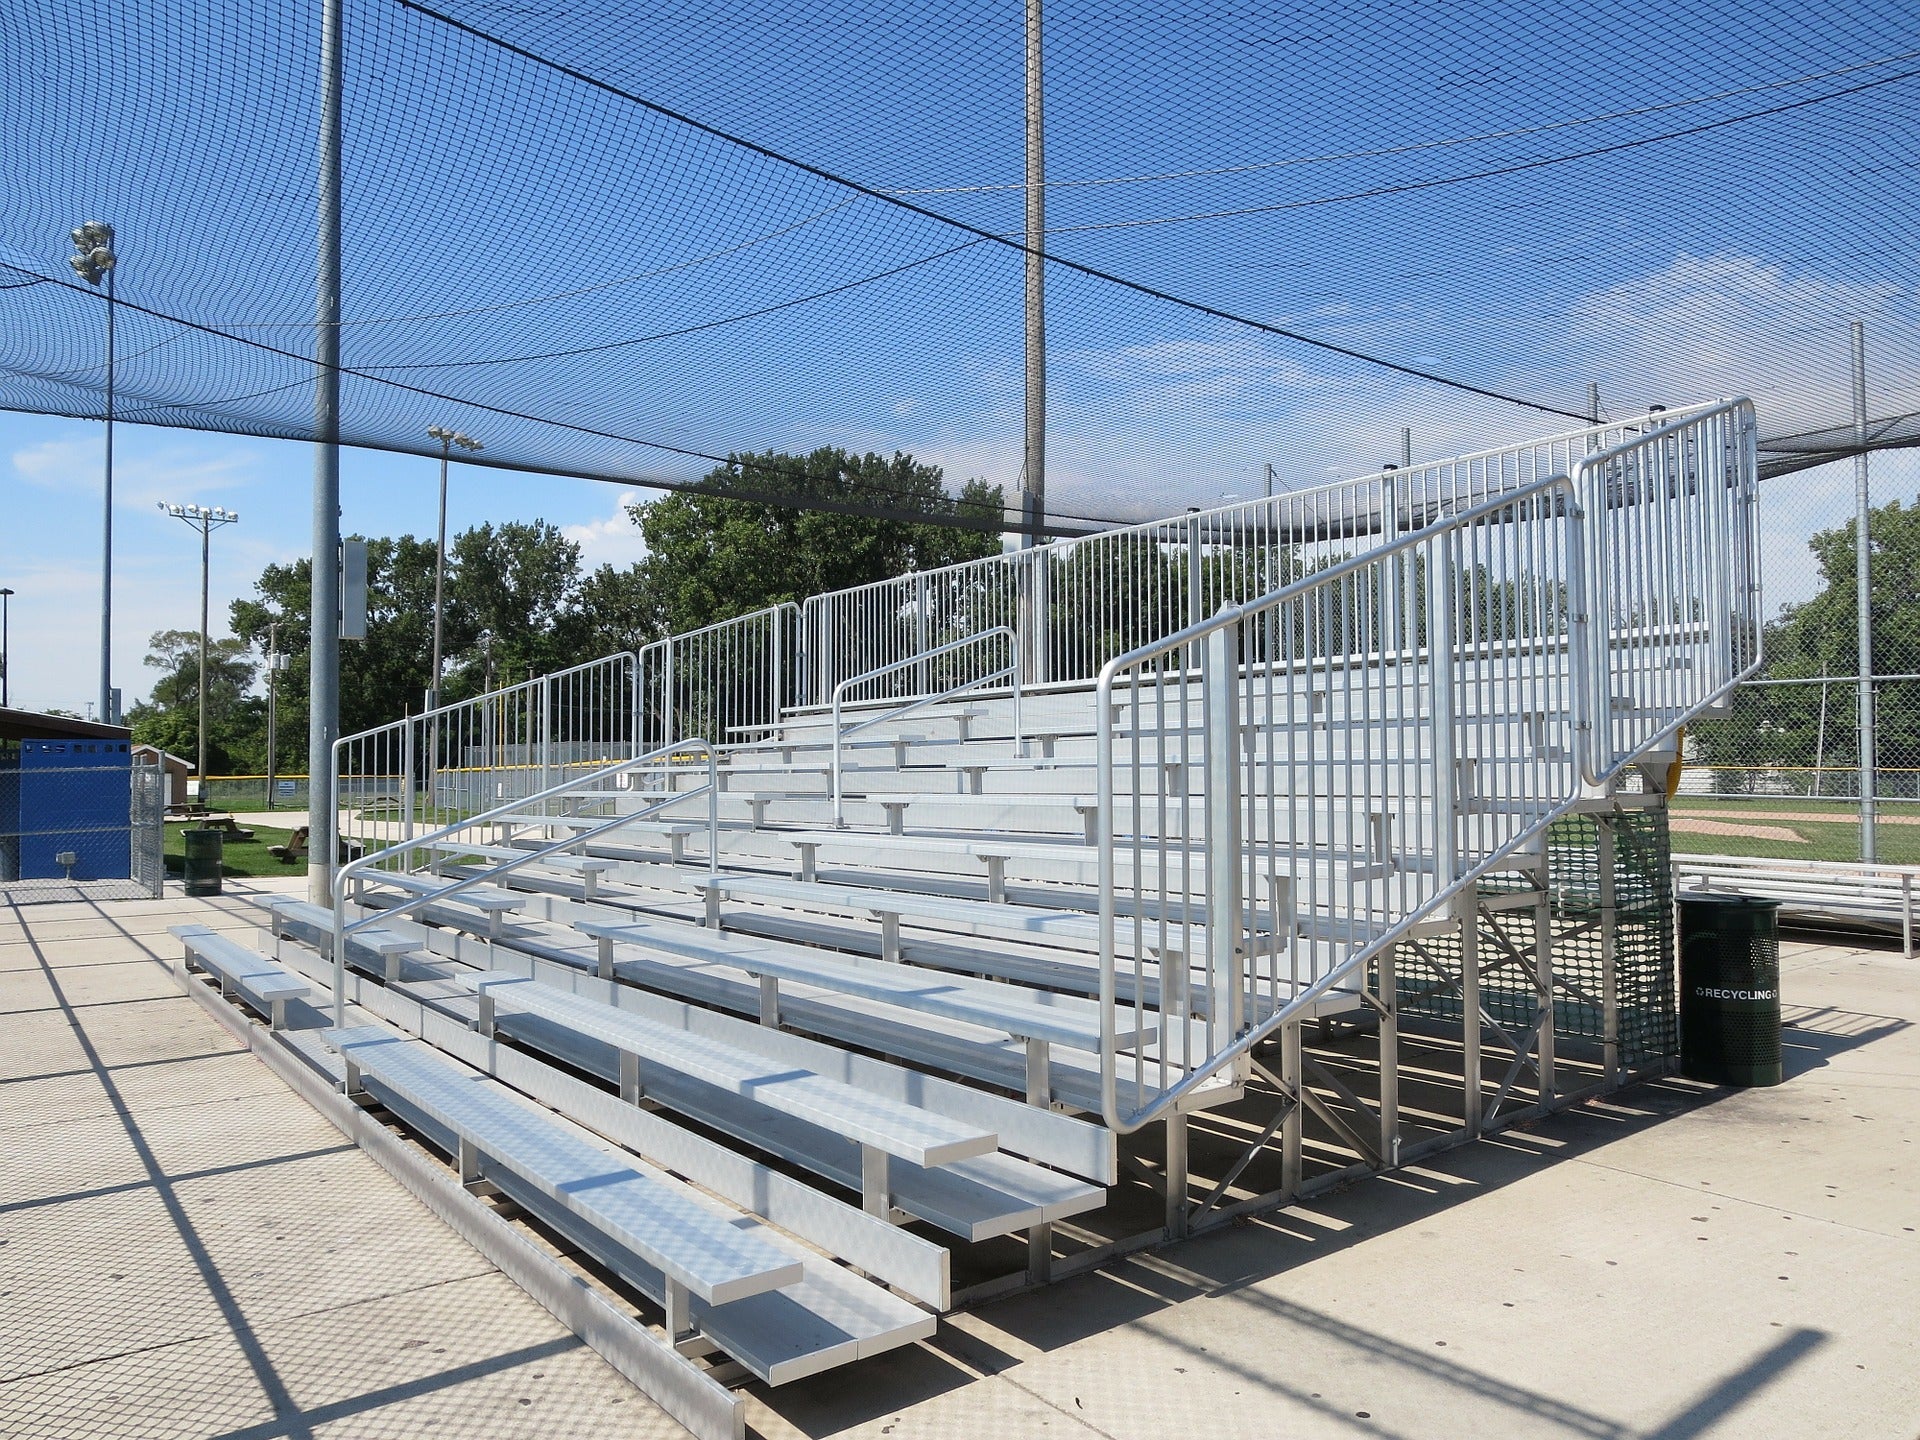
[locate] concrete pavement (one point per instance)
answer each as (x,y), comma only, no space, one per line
(187,1249)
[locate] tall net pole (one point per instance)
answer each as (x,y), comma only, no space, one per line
(1033,471)
(107,714)
(1863,594)
(324,651)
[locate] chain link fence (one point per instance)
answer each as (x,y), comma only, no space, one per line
(1781,775)
(85,830)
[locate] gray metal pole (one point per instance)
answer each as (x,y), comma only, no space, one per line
(324,650)
(106,539)
(1593,401)
(6,653)
(440,575)
(206,544)
(1863,595)
(273,737)
(1033,494)
(1406,447)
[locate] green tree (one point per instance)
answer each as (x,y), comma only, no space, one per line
(381,678)
(1780,726)
(711,557)
(170,719)
(512,609)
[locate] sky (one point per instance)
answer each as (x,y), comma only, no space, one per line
(51,476)
(1504,193)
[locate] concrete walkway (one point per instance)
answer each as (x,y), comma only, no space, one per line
(186,1249)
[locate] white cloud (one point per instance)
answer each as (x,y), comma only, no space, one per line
(611,539)
(142,477)
(1705,326)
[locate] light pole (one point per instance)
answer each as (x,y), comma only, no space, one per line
(6,667)
(274,660)
(93,260)
(206,522)
(448,439)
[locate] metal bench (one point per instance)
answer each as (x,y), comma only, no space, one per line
(491,904)
(239,969)
(882,1128)
(675,833)
(1036,1018)
(378,950)
(703,1252)
(589,868)
(781,1314)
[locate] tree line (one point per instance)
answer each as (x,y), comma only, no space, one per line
(520,603)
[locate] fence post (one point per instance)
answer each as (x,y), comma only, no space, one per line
(406,782)
(669,732)
(1440,706)
(1196,597)
(546,734)
(1220,701)
(778,620)
(923,672)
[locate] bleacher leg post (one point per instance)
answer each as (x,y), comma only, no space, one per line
(890,937)
(679,1318)
(278,1012)
(876,1183)
(1176,1175)
(1605,854)
(1040,1253)
(1472,1091)
(603,966)
(770,1001)
(1389,998)
(1039,1081)
(1543,977)
(469,1158)
(996,879)
(1291,1128)
(488,1016)
(630,1090)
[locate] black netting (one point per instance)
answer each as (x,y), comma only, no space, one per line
(624,242)
(1643,941)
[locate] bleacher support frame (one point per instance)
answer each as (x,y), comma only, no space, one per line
(1259,886)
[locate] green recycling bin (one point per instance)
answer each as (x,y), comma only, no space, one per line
(205,850)
(1730,989)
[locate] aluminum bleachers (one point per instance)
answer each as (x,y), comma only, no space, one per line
(901,928)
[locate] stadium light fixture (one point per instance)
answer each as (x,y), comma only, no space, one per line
(206,521)
(93,260)
(448,439)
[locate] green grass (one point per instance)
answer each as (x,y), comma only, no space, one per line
(242,859)
(1838,840)
(1845,808)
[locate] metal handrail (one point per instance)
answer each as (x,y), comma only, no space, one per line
(1191,638)
(1686,593)
(779,676)
(1012,668)
(354,868)
(1600,766)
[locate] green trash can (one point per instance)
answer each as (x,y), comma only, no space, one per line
(205,849)
(1730,990)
